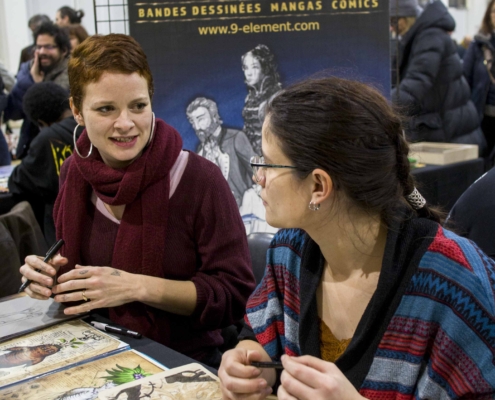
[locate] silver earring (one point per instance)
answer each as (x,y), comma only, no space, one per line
(313,206)
(416,200)
(75,145)
(152,129)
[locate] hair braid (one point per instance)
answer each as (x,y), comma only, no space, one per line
(406,179)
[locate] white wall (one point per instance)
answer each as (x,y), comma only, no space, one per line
(14,32)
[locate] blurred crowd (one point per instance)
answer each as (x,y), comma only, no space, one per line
(38,95)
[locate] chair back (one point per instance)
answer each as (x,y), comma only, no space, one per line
(258,243)
(20,236)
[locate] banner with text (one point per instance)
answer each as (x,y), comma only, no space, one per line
(215,64)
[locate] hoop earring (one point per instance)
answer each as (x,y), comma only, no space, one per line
(75,145)
(152,132)
(314,207)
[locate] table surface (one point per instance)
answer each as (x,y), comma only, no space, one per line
(164,355)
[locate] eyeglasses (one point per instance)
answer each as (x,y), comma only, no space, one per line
(259,167)
(46,46)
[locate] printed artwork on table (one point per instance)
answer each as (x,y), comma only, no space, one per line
(52,348)
(85,382)
(191,381)
(24,314)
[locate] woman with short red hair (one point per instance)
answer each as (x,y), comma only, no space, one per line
(143,221)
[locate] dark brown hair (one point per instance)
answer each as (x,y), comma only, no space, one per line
(110,53)
(75,17)
(486,24)
(349,130)
(59,35)
(78,31)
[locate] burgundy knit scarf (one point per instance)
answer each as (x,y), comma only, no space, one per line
(143,187)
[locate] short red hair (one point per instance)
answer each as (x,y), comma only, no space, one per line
(110,53)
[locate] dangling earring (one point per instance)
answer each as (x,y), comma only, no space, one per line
(152,129)
(75,145)
(313,207)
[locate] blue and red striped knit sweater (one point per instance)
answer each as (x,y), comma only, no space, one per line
(428,331)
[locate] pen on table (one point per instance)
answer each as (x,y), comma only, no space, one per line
(49,255)
(113,329)
(267,364)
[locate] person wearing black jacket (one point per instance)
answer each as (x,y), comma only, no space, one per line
(5,158)
(432,89)
(473,214)
(36,178)
(480,73)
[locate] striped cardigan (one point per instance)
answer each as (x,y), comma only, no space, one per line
(427,333)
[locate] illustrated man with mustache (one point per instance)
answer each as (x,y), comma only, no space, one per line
(52,48)
(228,148)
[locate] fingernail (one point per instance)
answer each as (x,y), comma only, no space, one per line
(262,384)
(268,391)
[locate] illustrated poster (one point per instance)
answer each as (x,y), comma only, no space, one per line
(216,63)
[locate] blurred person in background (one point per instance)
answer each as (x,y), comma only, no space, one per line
(67,15)
(49,65)
(4,147)
(432,89)
(77,35)
(36,178)
(27,53)
(480,74)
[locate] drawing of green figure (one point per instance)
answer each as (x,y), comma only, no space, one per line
(117,376)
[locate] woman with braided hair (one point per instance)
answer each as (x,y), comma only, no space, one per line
(364,295)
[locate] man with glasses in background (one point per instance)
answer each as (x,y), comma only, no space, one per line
(51,52)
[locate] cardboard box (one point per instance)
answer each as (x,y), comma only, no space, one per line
(442,153)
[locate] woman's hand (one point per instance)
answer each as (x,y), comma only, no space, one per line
(238,379)
(101,286)
(43,280)
(309,378)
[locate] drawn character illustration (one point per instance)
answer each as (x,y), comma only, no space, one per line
(262,81)
(27,355)
(17,316)
(228,148)
(189,376)
(117,376)
(134,393)
(85,393)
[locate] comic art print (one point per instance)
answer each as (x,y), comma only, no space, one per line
(52,348)
(86,381)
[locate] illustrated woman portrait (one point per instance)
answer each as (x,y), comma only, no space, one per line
(263,81)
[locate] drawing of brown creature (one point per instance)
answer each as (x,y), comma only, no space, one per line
(27,355)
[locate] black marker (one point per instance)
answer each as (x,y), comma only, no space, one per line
(267,364)
(49,255)
(113,329)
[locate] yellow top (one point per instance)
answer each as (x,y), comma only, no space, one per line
(331,348)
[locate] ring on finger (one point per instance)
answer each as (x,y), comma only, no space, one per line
(84,296)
